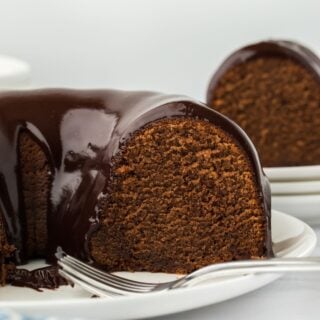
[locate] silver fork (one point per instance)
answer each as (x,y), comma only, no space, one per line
(107,284)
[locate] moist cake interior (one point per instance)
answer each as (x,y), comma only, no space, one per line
(183,196)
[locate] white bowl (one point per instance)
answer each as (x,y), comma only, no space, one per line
(304,207)
(14,73)
(295,187)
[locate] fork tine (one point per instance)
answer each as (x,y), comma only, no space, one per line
(60,254)
(87,286)
(108,276)
(96,283)
(104,278)
(75,269)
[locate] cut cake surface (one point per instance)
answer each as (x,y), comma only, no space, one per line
(129,181)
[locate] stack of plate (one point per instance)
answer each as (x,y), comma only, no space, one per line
(296,190)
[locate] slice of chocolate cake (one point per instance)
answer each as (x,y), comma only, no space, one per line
(182,196)
(129,181)
(272,90)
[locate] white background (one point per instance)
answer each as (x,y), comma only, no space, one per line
(165,45)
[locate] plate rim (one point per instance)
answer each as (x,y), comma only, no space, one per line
(302,187)
(294,173)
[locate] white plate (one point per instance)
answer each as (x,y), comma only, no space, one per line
(293,173)
(304,207)
(295,187)
(291,236)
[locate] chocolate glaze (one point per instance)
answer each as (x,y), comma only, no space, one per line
(80,132)
(272,48)
(47,277)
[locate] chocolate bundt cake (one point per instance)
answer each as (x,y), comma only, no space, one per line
(129,181)
(272,90)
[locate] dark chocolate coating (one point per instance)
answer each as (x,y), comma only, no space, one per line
(80,131)
(273,48)
(46,277)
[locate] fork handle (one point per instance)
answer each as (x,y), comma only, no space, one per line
(275,265)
